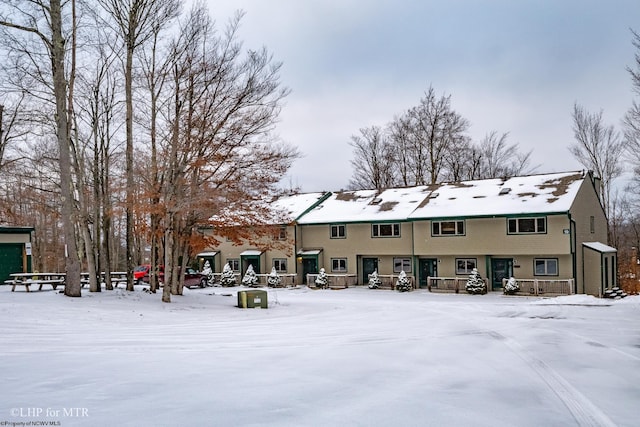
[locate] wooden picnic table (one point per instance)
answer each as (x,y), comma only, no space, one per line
(40,279)
(117,277)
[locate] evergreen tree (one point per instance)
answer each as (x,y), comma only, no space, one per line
(273,280)
(475,284)
(374,280)
(250,278)
(228,277)
(511,287)
(207,271)
(403,284)
(322,280)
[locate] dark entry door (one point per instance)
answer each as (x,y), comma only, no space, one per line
(369,265)
(10,259)
(251,260)
(309,266)
(501,268)
(428,267)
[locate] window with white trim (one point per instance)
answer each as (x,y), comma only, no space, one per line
(385,230)
(234,263)
(465,265)
(447,228)
(339,265)
(280,264)
(545,267)
(338,231)
(527,225)
(282,234)
(402,264)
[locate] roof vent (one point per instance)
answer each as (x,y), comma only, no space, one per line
(433,195)
(376,201)
(504,191)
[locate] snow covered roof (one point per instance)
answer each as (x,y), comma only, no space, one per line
(599,247)
(393,204)
(297,204)
(251,252)
(544,193)
(208,254)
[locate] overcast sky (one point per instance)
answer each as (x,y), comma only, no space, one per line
(509,66)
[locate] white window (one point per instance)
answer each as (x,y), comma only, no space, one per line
(527,225)
(447,228)
(385,230)
(282,234)
(545,266)
(402,264)
(234,263)
(339,265)
(465,265)
(338,231)
(280,264)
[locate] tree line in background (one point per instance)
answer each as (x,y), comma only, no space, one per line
(125,125)
(428,144)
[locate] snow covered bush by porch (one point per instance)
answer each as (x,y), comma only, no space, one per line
(475,284)
(403,284)
(512,286)
(374,280)
(273,280)
(250,278)
(228,277)
(322,280)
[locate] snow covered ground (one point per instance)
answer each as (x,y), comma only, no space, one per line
(354,357)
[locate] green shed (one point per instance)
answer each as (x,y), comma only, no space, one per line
(15,251)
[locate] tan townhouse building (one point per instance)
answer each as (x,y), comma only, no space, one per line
(545,227)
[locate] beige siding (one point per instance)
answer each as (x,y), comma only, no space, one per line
(357,243)
(489,236)
(586,205)
(15,238)
(592,272)
(286,250)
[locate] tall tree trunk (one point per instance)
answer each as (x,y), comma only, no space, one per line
(73,285)
(129,164)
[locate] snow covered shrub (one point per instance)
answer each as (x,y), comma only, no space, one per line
(228,278)
(374,280)
(207,271)
(322,280)
(403,284)
(273,280)
(250,278)
(475,284)
(511,287)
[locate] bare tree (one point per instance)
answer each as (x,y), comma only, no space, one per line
(631,121)
(220,155)
(599,148)
(137,21)
(426,133)
(462,161)
(44,21)
(374,160)
(499,159)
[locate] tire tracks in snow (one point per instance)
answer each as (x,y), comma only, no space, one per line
(583,410)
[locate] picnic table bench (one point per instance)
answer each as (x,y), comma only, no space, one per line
(117,277)
(31,279)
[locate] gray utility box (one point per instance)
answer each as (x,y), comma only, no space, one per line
(252,299)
